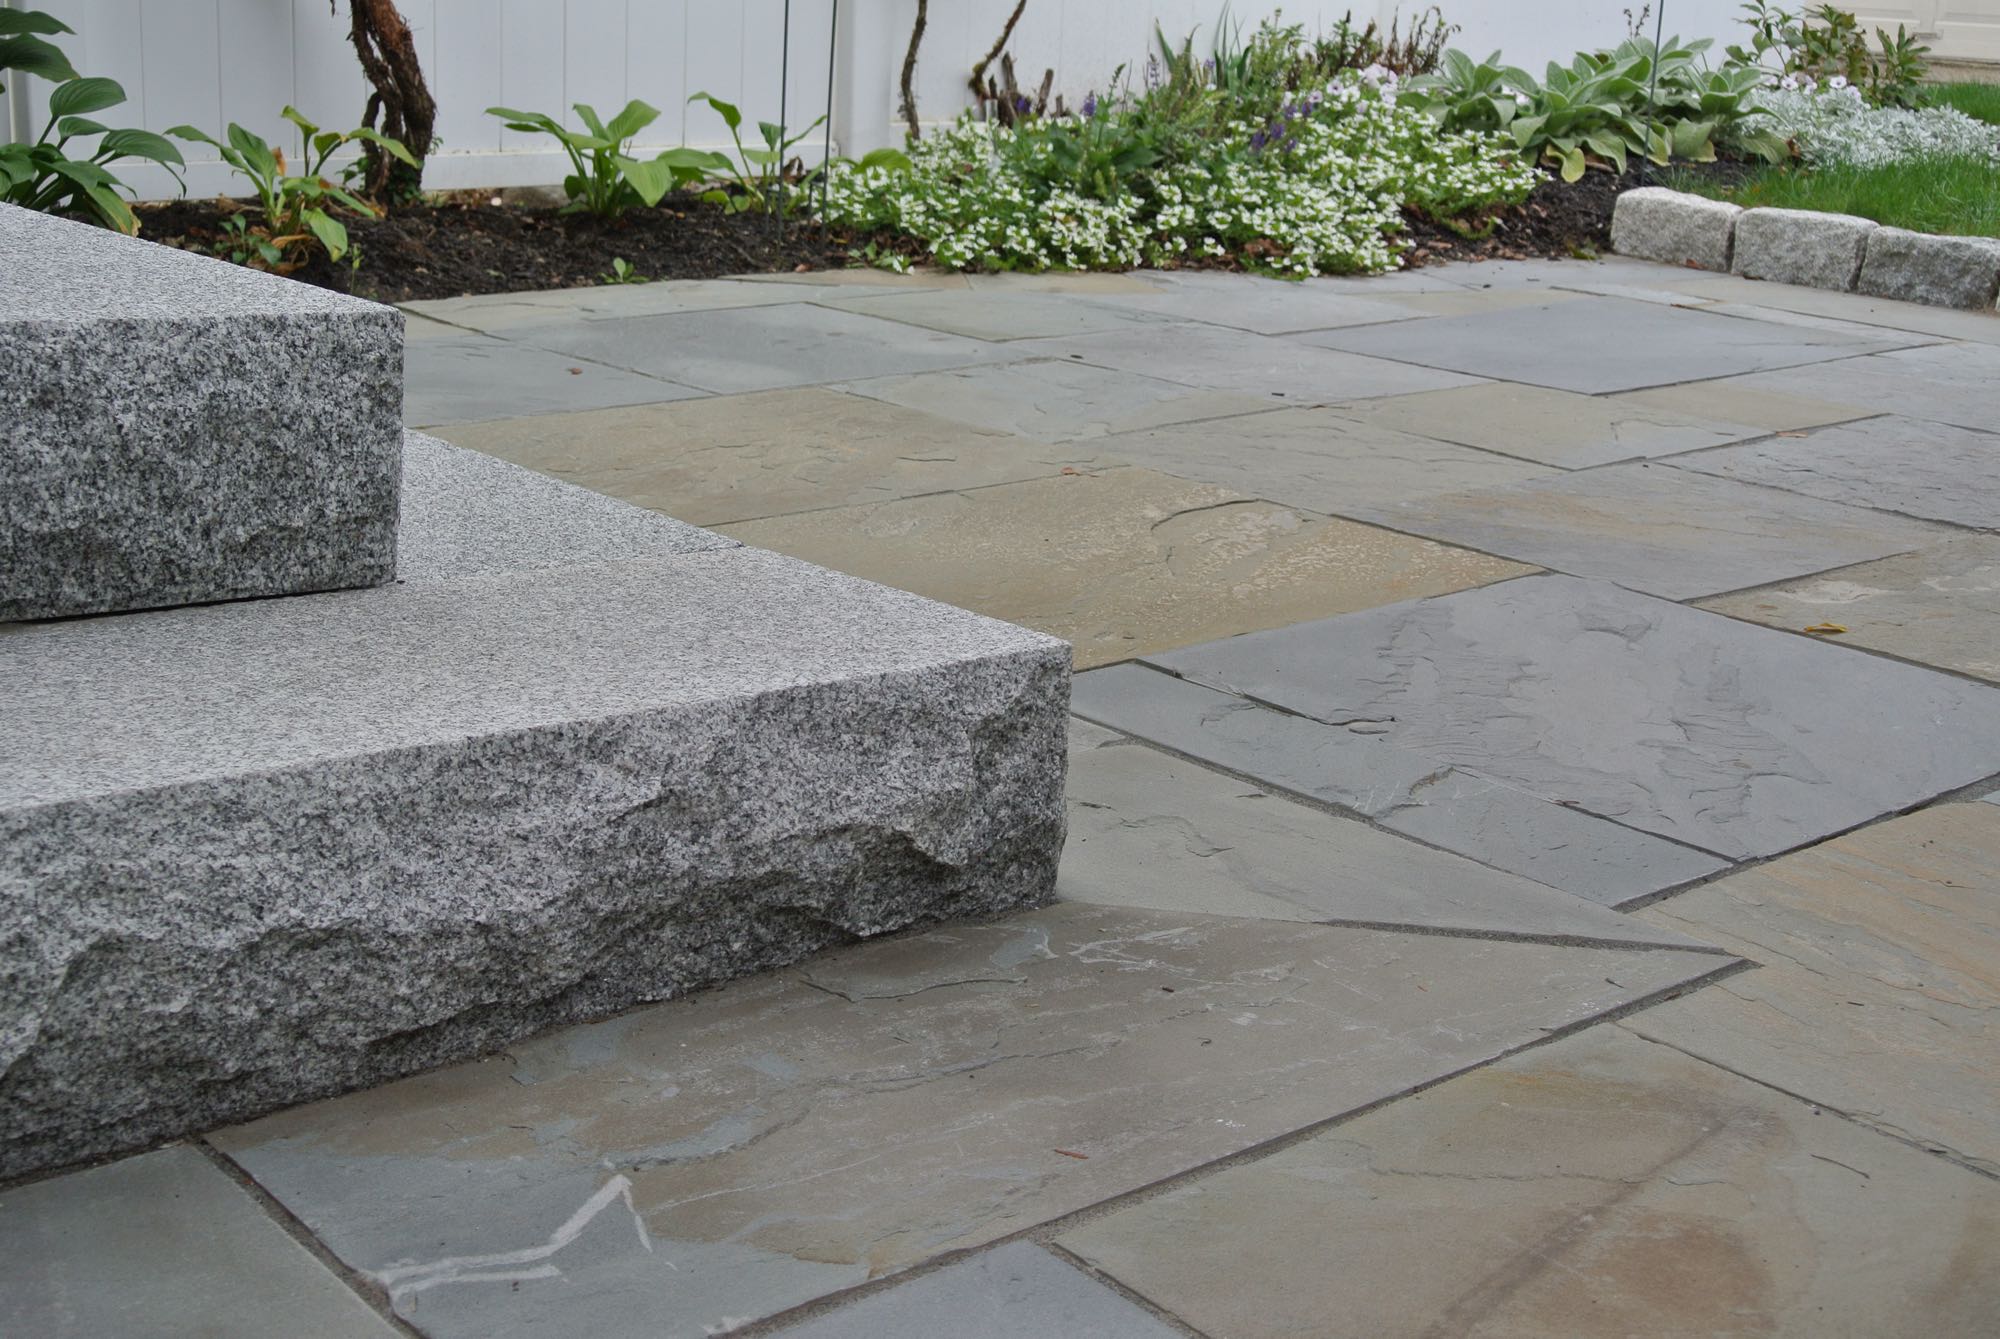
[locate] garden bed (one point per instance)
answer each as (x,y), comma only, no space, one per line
(468,245)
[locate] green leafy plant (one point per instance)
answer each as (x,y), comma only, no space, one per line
(759,174)
(296,208)
(607,179)
(1825,45)
(42,175)
(621,272)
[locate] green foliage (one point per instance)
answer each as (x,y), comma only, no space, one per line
(1958,195)
(1595,110)
(296,209)
(759,174)
(1825,43)
(42,175)
(1981,102)
(607,180)
(622,273)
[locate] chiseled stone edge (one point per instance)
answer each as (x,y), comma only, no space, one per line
(1654,223)
(196,954)
(1769,243)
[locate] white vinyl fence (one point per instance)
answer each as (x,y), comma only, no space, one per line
(210,62)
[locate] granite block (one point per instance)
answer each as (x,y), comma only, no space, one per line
(177,430)
(1801,246)
(1922,267)
(264,851)
(1655,223)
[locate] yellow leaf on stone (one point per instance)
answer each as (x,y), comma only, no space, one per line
(1825,629)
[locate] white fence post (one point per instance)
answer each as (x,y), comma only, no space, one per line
(867,52)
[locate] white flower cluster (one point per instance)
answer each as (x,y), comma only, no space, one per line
(1319,192)
(1834,125)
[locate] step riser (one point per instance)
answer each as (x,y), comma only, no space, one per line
(176,430)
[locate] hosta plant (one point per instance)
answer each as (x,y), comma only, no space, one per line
(758,174)
(43,175)
(607,179)
(297,211)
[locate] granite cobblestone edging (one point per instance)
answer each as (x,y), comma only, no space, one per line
(1799,246)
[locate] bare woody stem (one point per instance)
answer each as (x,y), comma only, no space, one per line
(978,80)
(910,68)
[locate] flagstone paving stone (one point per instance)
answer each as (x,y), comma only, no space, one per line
(1659,529)
(1446,806)
(1124,561)
(162,1244)
(1149,830)
(512,313)
(1880,982)
(1321,459)
(1940,605)
(737,457)
(1265,306)
(992,314)
(1057,401)
(1219,358)
(1598,344)
(1720,734)
(1929,470)
(1553,427)
(762,348)
(745,1150)
(1469,302)
(1017,1291)
(1946,383)
(1736,403)
(1980,327)
(472,377)
(1599,1187)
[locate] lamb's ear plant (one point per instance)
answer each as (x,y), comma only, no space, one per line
(759,173)
(606,179)
(42,175)
(296,208)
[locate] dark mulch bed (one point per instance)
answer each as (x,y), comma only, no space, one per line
(472,246)
(467,244)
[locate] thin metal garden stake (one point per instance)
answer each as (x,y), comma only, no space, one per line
(784,124)
(826,149)
(1652,81)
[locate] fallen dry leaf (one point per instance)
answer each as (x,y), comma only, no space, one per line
(1824,629)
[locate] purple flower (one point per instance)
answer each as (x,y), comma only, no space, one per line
(1021,104)
(1152,72)
(1090,104)
(1258,139)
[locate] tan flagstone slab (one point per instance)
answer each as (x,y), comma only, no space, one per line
(725,1157)
(1125,561)
(162,1244)
(1596,1188)
(736,457)
(1084,282)
(1560,428)
(995,314)
(1940,605)
(1322,459)
(1943,383)
(864,276)
(1303,371)
(1733,402)
(1147,829)
(1057,401)
(1466,302)
(1250,302)
(1880,979)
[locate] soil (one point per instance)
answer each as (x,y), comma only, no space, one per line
(466,244)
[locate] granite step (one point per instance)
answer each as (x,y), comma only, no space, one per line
(579,756)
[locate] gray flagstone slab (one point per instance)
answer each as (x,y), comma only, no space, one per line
(469,377)
(1599,344)
(986,313)
(1930,470)
(1725,736)
(762,348)
(741,1152)
(162,1244)
(1659,528)
(1946,383)
(1016,1291)
(1424,797)
(1150,830)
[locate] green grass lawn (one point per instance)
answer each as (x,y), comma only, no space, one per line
(1979,101)
(1947,195)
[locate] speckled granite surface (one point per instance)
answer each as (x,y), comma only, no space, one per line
(264,851)
(175,429)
